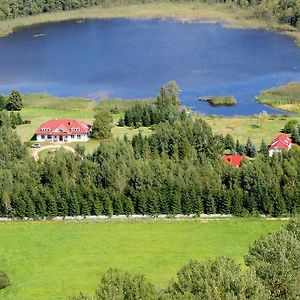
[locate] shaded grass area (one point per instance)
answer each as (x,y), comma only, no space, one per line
(243,127)
(229,14)
(286,97)
(53,260)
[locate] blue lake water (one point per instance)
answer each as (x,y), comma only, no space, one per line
(130,59)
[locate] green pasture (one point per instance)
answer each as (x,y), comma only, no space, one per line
(243,127)
(53,260)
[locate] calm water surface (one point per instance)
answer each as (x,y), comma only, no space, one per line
(129,59)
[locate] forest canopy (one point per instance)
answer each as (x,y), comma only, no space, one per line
(178,169)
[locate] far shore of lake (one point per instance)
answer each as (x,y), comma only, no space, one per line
(229,16)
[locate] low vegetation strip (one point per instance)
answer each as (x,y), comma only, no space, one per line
(50,102)
(219,100)
(54,260)
(236,16)
(285,97)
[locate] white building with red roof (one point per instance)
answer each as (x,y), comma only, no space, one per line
(282,143)
(63,131)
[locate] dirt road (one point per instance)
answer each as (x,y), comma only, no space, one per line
(35,151)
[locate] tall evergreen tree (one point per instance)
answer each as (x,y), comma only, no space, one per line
(14,101)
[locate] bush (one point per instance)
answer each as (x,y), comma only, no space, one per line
(290,126)
(116,284)
(276,259)
(4,280)
(217,279)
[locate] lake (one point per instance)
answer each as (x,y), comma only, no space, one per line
(134,58)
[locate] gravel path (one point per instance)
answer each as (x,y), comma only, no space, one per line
(35,151)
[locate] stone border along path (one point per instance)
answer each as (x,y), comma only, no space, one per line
(35,151)
(124,217)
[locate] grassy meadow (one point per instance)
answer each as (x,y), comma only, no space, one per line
(53,260)
(285,97)
(243,127)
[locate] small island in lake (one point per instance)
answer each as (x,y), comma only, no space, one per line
(219,100)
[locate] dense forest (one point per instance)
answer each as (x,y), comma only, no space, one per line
(177,169)
(283,11)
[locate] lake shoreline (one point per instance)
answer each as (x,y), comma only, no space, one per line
(227,15)
(283,97)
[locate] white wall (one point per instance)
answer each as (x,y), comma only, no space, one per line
(83,138)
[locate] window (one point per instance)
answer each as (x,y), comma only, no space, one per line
(42,136)
(49,137)
(72,136)
(78,136)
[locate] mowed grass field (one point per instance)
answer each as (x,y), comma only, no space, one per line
(53,260)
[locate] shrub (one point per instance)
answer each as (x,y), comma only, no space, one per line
(276,259)
(217,279)
(4,280)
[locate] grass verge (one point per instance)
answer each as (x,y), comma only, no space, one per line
(53,260)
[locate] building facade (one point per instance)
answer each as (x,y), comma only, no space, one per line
(54,131)
(282,143)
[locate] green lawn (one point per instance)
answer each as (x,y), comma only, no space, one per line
(52,260)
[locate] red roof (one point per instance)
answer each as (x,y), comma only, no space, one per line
(234,160)
(283,141)
(63,127)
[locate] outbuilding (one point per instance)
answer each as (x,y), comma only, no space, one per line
(282,143)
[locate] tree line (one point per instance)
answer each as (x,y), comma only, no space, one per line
(272,274)
(176,170)
(283,11)
(164,109)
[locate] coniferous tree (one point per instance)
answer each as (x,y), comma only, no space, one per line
(229,142)
(102,125)
(264,149)
(14,101)
(2,102)
(250,149)
(295,136)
